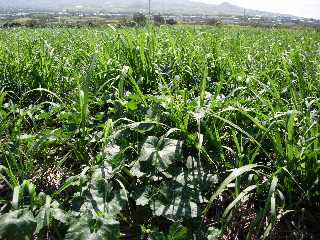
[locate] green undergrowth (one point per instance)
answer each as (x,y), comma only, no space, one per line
(159,133)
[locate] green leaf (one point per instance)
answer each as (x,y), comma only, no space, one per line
(196,177)
(132,105)
(49,211)
(101,196)
(214,233)
(159,153)
(177,232)
(111,151)
(59,215)
(143,200)
(73,181)
(176,201)
(79,230)
(177,209)
(235,173)
(86,228)
(290,129)
(41,219)
(15,197)
(179,196)
(17,225)
(238,199)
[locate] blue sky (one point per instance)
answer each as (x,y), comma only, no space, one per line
(303,8)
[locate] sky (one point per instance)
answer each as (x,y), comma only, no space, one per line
(302,8)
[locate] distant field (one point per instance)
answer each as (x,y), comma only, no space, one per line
(167,133)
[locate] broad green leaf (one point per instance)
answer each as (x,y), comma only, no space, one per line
(101,196)
(143,200)
(19,224)
(86,228)
(79,230)
(179,208)
(158,154)
(176,201)
(177,232)
(180,196)
(59,215)
(111,151)
(48,212)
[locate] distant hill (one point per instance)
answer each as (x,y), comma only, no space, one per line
(158,6)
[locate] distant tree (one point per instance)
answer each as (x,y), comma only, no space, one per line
(158,19)
(171,21)
(32,23)
(125,22)
(140,19)
(11,25)
(92,24)
(214,22)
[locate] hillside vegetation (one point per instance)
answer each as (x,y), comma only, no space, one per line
(163,6)
(159,133)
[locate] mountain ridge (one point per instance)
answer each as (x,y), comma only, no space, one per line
(158,6)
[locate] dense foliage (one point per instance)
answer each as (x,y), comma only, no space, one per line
(159,133)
